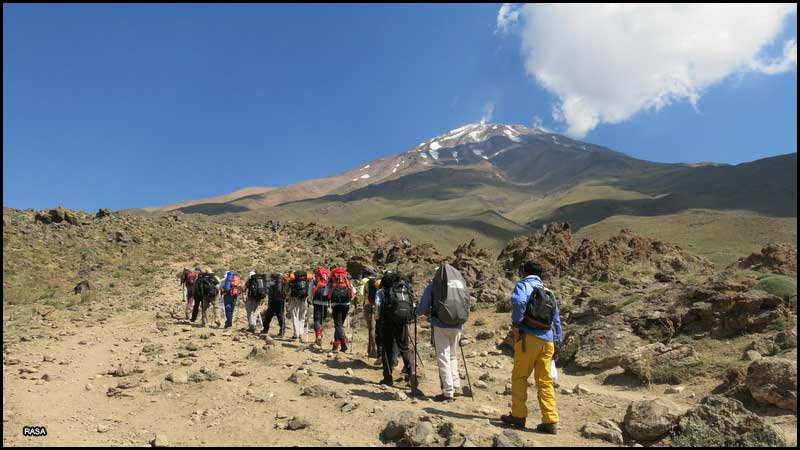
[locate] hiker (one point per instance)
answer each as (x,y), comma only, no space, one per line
(537,338)
(340,293)
(320,301)
(446,300)
(366,296)
(395,309)
(188,289)
(230,287)
(299,292)
(257,288)
(276,305)
(205,293)
(182,277)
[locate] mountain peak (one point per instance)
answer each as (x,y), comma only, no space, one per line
(476,134)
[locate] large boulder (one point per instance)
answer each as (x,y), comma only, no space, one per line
(103,212)
(773,381)
(776,257)
(719,421)
(731,312)
(56,215)
(649,420)
(661,363)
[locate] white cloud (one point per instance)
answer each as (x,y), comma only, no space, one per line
(608,62)
(538,123)
(506,17)
(488,112)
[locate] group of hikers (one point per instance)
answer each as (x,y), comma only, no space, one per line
(390,308)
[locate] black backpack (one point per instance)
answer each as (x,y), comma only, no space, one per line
(299,286)
(276,287)
(258,287)
(540,309)
(398,302)
(205,287)
(450,296)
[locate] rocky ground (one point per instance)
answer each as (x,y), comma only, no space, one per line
(660,349)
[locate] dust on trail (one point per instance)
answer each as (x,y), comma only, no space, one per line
(76,410)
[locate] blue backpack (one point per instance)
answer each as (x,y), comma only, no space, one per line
(228,280)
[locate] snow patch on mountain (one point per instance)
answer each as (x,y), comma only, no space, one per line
(365,176)
(365,167)
(435,146)
(434,153)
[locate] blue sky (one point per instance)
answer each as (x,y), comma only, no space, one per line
(143,105)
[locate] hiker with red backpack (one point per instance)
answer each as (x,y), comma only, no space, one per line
(340,293)
(189,277)
(320,301)
(230,287)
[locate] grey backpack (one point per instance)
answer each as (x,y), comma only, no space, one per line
(450,296)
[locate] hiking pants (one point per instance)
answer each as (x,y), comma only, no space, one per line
(446,341)
(208,302)
(189,305)
(536,358)
(369,316)
(230,303)
(320,313)
(275,308)
(298,309)
(395,339)
(339,315)
(251,306)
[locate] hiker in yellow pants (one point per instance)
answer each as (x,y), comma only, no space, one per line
(536,328)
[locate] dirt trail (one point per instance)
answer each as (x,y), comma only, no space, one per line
(75,407)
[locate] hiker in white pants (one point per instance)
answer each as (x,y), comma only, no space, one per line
(445,339)
(299,292)
(251,305)
(298,309)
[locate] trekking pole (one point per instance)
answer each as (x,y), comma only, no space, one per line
(416,354)
(466,370)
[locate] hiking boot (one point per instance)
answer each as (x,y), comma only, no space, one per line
(318,341)
(344,345)
(547,428)
(217,323)
(335,348)
(388,382)
(443,398)
(515,422)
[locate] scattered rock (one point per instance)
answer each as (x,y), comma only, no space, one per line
(719,421)
(297,423)
(319,390)
(581,389)
(396,426)
(674,389)
(159,441)
(399,396)
(752,355)
(649,420)
(605,429)
(238,373)
(422,434)
(178,378)
(507,438)
(773,381)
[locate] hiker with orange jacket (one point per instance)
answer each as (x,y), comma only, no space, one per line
(230,287)
(340,293)
(320,301)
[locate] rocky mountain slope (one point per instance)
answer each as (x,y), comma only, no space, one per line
(496,181)
(661,347)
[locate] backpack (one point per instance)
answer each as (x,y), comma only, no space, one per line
(372,289)
(341,289)
(450,300)
(322,276)
(540,309)
(205,287)
(235,287)
(258,287)
(398,304)
(298,284)
(276,287)
(191,277)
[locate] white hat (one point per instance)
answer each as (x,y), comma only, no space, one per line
(250,275)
